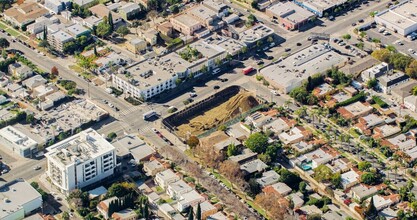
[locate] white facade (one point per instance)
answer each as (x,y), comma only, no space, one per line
(17,141)
(410,102)
(191,198)
(400,18)
(164,178)
(178,188)
(80,160)
(18,199)
(56,6)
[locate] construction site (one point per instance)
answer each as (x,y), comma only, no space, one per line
(211,112)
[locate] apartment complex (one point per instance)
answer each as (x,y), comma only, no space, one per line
(80,160)
(59,35)
(24,14)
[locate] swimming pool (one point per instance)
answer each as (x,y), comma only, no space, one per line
(306,166)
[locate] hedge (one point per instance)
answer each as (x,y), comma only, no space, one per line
(358,97)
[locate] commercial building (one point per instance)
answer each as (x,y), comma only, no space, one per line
(256,33)
(293,70)
(80,160)
(24,14)
(185,24)
(289,15)
(17,141)
(18,199)
(319,7)
(400,18)
(151,77)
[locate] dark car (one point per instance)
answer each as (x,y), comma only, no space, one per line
(270,58)
(298,44)
(260,62)
(353,24)
(360,20)
(287,49)
(216,87)
(224,79)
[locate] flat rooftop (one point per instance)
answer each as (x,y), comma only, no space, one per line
(290,11)
(15,194)
(81,147)
(256,33)
(202,12)
(15,136)
(230,45)
(299,66)
(186,20)
(403,15)
(321,5)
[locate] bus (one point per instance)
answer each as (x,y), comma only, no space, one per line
(247,70)
(149,115)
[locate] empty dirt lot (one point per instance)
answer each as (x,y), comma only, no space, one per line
(240,103)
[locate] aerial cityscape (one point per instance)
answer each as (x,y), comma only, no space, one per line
(208,109)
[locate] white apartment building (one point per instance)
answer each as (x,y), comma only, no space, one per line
(17,141)
(80,160)
(18,199)
(166,177)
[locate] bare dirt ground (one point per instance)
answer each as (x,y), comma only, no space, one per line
(240,103)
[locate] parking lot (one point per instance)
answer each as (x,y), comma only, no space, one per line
(393,39)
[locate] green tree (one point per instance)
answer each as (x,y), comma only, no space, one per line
(193,141)
(4,43)
(369,178)
(111,136)
(110,21)
(322,173)
(289,178)
(198,212)
(244,49)
(302,187)
(364,165)
(270,39)
(336,180)
(391,48)
(411,70)
(257,142)
(65,215)
(45,34)
(371,211)
(347,37)
(30,118)
(254,4)
(254,187)
(190,214)
(123,31)
(314,217)
(4,53)
(362,34)
(103,28)
(381,55)
(372,83)
(232,150)
(174,9)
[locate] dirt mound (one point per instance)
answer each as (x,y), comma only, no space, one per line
(240,103)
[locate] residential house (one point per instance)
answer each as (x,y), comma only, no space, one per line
(220,8)
(56,6)
(400,142)
(339,165)
(362,191)
(136,45)
(280,125)
(311,210)
(223,145)
(3,99)
(410,102)
(367,123)
(103,207)
(167,210)
(188,199)
(24,14)
(150,36)
(297,199)
(164,178)
(92,21)
(34,81)
(83,3)
(207,209)
(323,90)
(20,71)
(318,157)
(245,156)
(386,131)
(217,216)
(125,214)
(350,179)
(268,178)
(355,110)
(165,28)
(131,145)
(102,11)
(259,120)
(129,11)
(176,189)
(302,146)
(41,24)
(278,188)
(254,166)
(382,202)
(388,82)
(403,90)
(295,135)
(376,72)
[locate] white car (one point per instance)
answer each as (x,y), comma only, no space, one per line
(193,94)
(411,51)
(274,92)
